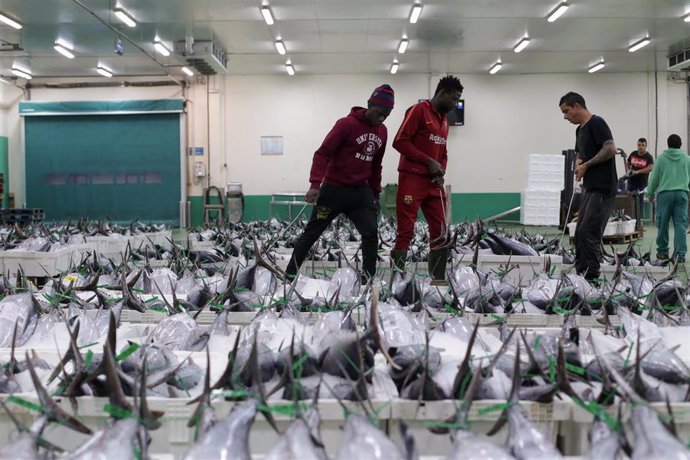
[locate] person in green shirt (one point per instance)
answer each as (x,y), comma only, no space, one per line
(670,181)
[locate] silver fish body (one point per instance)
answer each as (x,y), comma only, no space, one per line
(228,438)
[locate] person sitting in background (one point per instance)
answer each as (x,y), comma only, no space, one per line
(638,166)
(670,181)
(345,179)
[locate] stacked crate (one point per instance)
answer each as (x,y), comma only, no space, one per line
(541,201)
(22,216)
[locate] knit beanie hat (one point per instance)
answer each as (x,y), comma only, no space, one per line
(383,96)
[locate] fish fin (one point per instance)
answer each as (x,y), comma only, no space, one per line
(256,382)
(514,395)
(411,452)
(562,380)
(464,367)
(374,327)
(147,417)
(50,407)
(115,393)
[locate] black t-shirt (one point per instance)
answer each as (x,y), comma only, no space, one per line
(637,162)
(590,140)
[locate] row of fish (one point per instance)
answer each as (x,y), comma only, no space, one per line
(333,359)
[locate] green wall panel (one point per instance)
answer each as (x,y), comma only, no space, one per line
(121,167)
(470,206)
(466,206)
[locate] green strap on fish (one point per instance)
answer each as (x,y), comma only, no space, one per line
(574,369)
(88,345)
(598,411)
(26,404)
(152,299)
(552,368)
(117,412)
(124,354)
(235,394)
(159,309)
(494,408)
(283,409)
(499,319)
(88,359)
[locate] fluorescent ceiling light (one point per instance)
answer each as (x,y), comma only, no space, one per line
(125,17)
(496,67)
(103,71)
(394,67)
(10,22)
(521,45)
(188,71)
(21,72)
(639,44)
(416,11)
(402,47)
(557,12)
(596,67)
(161,48)
(62,49)
(266,13)
(289,68)
(280,46)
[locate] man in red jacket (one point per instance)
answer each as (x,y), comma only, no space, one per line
(346,179)
(421,141)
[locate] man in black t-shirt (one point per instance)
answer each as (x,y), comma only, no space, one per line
(596,166)
(638,166)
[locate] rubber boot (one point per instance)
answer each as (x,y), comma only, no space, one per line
(437,266)
(398,259)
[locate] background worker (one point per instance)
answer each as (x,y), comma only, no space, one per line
(345,179)
(670,181)
(638,165)
(421,141)
(596,167)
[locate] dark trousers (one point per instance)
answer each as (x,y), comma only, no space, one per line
(593,216)
(357,203)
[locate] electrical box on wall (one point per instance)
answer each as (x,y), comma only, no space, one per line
(199,169)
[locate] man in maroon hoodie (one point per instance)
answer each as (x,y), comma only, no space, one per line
(421,141)
(346,178)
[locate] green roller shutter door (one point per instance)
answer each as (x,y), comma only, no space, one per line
(122,167)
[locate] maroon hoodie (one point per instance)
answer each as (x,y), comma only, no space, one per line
(351,154)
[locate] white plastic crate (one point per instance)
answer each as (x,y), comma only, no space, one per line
(526,266)
(625,227)
(547,418)
(175,438)
(654,272)
(611,229)
(40,264)
(576,430)
(161,238)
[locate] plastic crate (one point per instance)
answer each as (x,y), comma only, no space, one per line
(175,438)
(526,266)
(41,264)
(417,416)
(608,271)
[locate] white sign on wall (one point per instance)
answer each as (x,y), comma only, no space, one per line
(271,145)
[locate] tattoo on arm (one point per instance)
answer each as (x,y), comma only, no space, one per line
(608,151)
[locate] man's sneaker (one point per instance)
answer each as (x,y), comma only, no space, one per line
(662,255)
(680,259)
